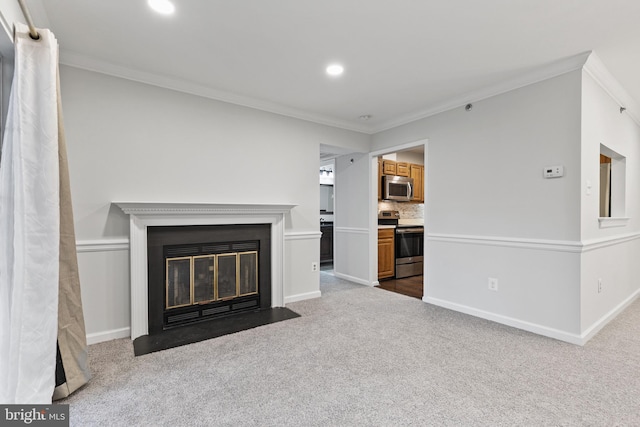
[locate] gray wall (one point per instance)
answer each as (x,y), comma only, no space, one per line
(611,253)
(134,142)
(490,213)
(351,223)
(485,166)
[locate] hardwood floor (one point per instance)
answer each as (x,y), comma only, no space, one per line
(410,286)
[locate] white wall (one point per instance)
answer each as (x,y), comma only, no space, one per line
(485,166)
(410,157)
(130,141)
(351,218)
(602,123)
(6,76)
(490,213)
(134,142)
(106,295)
(8,14)
(611,254)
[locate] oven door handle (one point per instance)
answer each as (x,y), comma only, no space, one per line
(409,230)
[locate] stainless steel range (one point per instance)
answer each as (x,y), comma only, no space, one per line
(409,251)
(409,244)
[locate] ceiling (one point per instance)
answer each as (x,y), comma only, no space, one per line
(403,59)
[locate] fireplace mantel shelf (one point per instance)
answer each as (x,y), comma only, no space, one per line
(168,208)
(148,214)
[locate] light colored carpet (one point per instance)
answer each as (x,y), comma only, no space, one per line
(365,356)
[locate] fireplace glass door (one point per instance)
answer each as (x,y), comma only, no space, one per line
(227,276)
(204,273)
(203,279)
(179,282)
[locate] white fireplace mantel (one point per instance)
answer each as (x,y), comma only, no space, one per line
(150,214)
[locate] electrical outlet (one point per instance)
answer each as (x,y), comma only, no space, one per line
(599,285)
(493,284)
(314,266)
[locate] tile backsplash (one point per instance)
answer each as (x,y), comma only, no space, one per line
(407,210)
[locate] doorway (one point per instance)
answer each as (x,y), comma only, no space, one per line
(388,270)
(351,246)
(327,210)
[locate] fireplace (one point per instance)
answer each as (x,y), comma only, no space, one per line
(146,215)
(202,272)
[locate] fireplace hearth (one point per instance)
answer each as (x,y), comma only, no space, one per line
(205,281)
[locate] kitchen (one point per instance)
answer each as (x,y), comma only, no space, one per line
(401,222)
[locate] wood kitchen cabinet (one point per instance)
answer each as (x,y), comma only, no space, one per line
(389,167)
(386,253)
(326,243)
(417,173)
(402,169)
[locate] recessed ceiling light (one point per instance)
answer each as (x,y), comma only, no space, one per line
(335,69)
(162,6)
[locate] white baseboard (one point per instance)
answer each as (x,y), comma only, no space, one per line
(302,297)
(591,331)
(581,339)
(352,278)
(509,321)
(114,334)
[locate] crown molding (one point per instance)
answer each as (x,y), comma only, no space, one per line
(588,61)
(595,68)
(84,62)
(539,74)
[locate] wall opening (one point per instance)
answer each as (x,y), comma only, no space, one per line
(612,183)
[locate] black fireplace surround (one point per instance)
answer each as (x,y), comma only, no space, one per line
(197,240)
(174,325)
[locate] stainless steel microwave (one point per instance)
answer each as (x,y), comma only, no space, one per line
(398,188)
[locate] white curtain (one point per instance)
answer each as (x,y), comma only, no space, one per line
(30,225)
